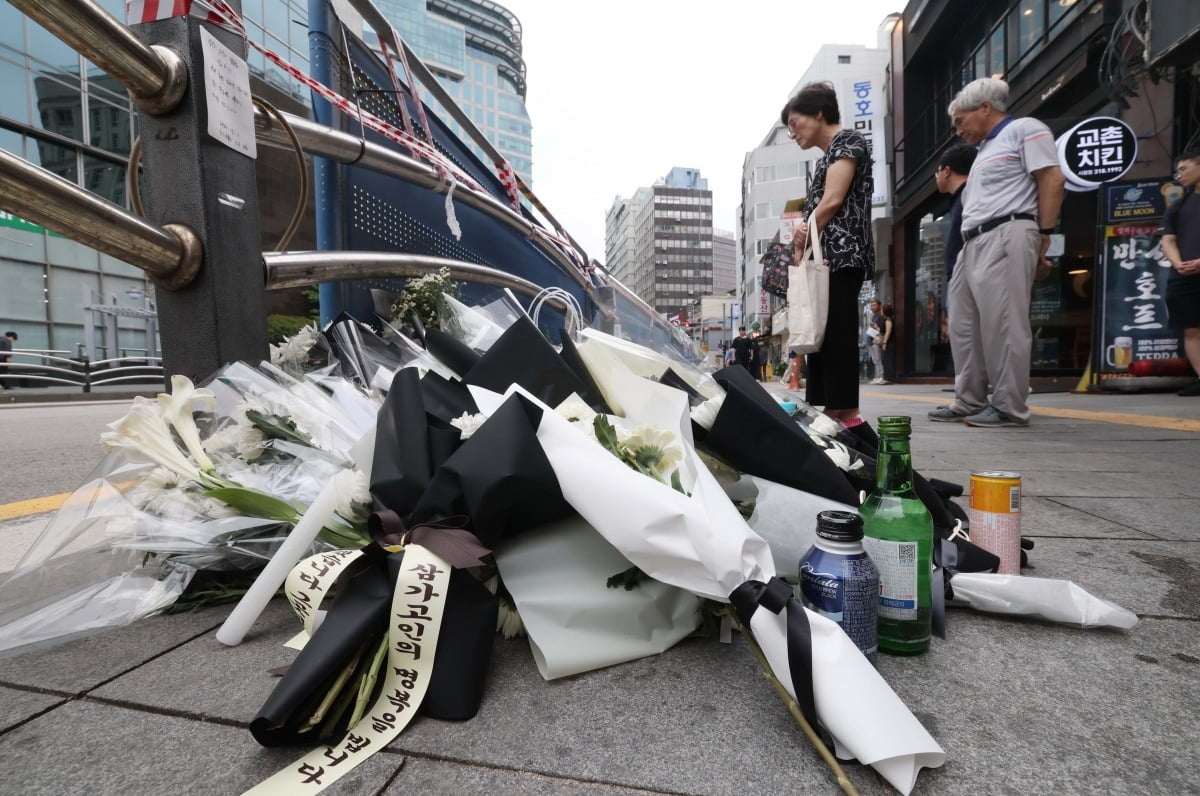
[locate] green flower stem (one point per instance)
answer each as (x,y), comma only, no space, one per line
(839,773)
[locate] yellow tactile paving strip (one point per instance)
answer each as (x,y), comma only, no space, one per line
(1117,418)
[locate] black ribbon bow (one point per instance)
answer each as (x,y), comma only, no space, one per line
(776,595)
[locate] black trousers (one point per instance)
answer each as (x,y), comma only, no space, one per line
(833,371)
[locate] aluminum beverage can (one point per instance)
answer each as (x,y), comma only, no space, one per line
(995,517)
(839,581)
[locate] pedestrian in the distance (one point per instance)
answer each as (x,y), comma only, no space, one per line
(743,349)
(875,333)
(1010,207)
(839,207)
(887,352)
(1181,245)
(6,347)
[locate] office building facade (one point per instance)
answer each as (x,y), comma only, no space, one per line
(660,241)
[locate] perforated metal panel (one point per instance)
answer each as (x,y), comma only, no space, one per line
(368,211)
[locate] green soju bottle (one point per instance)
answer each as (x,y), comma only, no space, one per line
(898,536)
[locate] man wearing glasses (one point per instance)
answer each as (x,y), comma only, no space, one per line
(951,177)
(1010,206)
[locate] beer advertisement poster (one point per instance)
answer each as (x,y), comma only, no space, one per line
(1134,322)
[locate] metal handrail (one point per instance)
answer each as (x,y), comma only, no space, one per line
(171,254)
(155,75)
(296,269)
(317,139)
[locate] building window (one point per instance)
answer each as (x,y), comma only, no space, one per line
(1031,25)
(996,52)
(843,59)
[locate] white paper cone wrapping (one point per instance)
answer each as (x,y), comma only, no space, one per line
(556,574)
(787,519)
(862,713)
(701,543)
(1048,598)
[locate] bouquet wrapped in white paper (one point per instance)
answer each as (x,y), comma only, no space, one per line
(698,541)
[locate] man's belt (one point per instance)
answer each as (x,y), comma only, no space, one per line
(991,224)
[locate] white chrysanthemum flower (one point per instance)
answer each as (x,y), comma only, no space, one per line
(354,494)
(160,478)
(705,414)
(509,622)
(144,430)
(840,455)
(240,439)
(468,424)
(217,509)
(294,350)
(576,411)
(824,425)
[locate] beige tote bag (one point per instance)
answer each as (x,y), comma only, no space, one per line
(808,297)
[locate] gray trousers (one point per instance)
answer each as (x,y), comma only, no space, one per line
(990,336)
(876,354)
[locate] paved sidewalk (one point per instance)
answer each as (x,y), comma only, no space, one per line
(1020,706)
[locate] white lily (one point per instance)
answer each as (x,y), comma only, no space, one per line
(705,414)
(144,430)
(177,408)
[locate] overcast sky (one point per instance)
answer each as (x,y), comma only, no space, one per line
(622,90)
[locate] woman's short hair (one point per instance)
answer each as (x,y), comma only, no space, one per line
(986,89)
(814,98)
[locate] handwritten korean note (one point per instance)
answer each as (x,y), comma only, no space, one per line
(227,95)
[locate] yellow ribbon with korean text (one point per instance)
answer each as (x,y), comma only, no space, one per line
(414,626)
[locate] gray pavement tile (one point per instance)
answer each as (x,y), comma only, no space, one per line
(432,776)
(1147,577)
(702,700)
(1055,483)
(1058,517)
(1029,707)
(89,748)
(698,719)
(207,678)
(17,705)
(1114,461)
(77,666)
(1166,519)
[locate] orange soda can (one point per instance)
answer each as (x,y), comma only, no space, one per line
(995,517)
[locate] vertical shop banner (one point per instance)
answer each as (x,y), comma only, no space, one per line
(1134,322)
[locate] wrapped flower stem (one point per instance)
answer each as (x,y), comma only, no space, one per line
(798,715)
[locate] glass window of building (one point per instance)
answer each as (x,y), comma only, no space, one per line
(1031,25)
(996,59)
(14,99)
(1059,9)
(981,61)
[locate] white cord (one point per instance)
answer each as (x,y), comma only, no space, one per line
(573,312)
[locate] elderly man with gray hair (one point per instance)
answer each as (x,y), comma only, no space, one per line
(1010,207)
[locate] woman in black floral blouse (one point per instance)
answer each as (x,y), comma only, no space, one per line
(839,202)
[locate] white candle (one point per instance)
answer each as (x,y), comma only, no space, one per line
(248,609)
